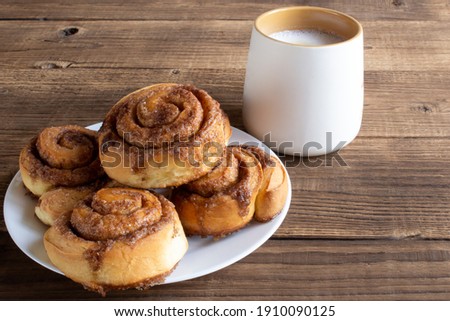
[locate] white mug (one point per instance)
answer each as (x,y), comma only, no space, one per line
(304,100)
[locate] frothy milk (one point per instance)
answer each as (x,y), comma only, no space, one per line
(306,37)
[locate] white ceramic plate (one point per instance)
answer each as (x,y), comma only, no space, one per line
(204,256)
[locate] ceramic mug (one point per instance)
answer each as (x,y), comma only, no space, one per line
(304,100)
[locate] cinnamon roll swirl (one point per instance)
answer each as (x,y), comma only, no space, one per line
(274,188)
(156,137)
(56,202)
(222,201)
(60,156)
(247,184)
(117,238)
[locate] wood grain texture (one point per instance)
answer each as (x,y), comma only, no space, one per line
(215,9)
(390,45)
(379,194)
(374,229)
(396,182)
(397,103)
(279,270)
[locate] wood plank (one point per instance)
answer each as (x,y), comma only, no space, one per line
(396,184)
(375,229)
(406,104)
(397,104)
(195,44)
(311,270)
(394,187)
(201,10)
(391,188)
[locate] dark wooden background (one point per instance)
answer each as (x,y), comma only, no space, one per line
(377,229)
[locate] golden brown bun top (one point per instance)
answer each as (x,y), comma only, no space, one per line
(237,175)
(67,147)
(63,156)
(111,213)
(264,158)
(272,167)
(163,114)
(224,175)
(274,189)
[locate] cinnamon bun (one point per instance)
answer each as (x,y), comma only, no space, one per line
(117,238)
(60,156)
(222,201)
(158,136)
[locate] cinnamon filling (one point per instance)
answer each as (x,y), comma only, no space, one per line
(163,116)
(263,157)
(115,212)
(223,176)
(163,120)
(71,227)
(66,148)
(63,156)
(233,176)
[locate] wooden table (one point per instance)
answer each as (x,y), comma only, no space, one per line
(377,229)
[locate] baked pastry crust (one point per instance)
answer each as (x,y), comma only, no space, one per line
(274,188)
(117,238)
(156,137)
(54,203)
(248,184)
(60,156)
(223,201)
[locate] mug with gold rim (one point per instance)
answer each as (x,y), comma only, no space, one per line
(304,100)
